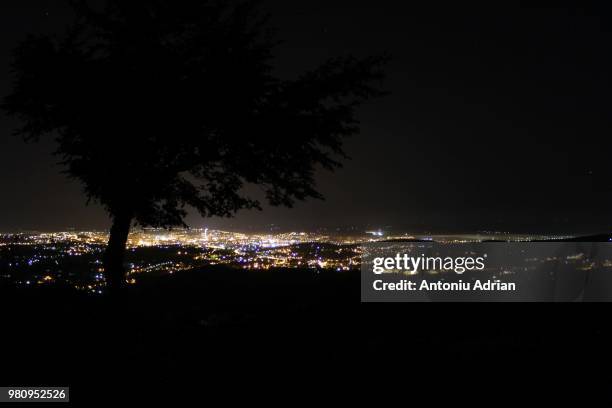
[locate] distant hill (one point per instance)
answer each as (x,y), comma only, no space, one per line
(584,238)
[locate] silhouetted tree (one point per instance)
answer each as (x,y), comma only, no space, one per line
(159,105)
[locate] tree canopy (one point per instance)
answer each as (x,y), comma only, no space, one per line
(159,105)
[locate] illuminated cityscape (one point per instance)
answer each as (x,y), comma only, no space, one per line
(75,258)
(28,259)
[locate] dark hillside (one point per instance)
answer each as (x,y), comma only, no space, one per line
(248,334)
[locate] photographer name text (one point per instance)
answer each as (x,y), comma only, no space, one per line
(425,285)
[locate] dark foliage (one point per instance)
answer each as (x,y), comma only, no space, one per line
(156,106)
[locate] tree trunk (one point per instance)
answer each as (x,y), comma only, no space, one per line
(114,255)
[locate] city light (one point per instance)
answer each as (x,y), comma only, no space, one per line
(76,257)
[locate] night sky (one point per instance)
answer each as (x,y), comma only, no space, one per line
(498,118)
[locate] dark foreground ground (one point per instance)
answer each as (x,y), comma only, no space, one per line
(298,336)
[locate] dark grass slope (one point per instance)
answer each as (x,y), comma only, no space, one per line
(263,334)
